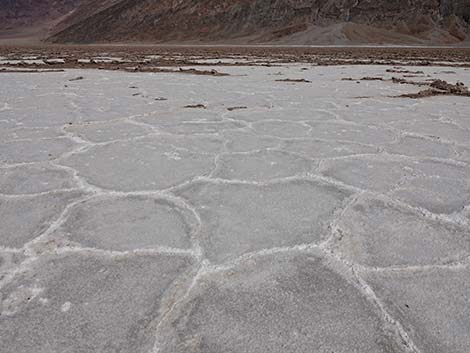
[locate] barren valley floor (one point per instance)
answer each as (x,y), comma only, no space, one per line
(227,200)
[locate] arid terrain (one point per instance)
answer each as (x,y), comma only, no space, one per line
(140,57)
(178,199)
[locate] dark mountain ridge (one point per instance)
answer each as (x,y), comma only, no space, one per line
(265,21)
(15,13)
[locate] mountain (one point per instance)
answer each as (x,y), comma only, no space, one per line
(32,17)
(31,12)
(41,18)
(263,21)
(283,21)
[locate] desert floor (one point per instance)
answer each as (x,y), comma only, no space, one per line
(224,200)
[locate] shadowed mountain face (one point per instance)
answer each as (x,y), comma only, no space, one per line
(281,21)
(25,13)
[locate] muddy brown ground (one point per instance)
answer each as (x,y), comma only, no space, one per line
(137,57)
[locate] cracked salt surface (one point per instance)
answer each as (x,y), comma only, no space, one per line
(323,217)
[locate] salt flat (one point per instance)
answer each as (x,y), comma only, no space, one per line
(290,208)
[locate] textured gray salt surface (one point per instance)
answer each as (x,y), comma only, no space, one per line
(312,148)
(278,303)
(108,131)
(9,261)
(246,141)
(36,178)
(87,303)
(25,218)
(128,224)
(436,194)
(432,305)
(262,165)
(34,150)
(422,147)
(379,233)
(324,217)
(131,165)
(243,218)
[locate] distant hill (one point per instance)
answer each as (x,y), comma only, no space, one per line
(31,12)
(250,21)
(32,17)
(38,19)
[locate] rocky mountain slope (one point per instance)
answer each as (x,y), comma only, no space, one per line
(41,18)
(27,13)
(259,21)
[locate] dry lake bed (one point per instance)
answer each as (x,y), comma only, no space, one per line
(278,208)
